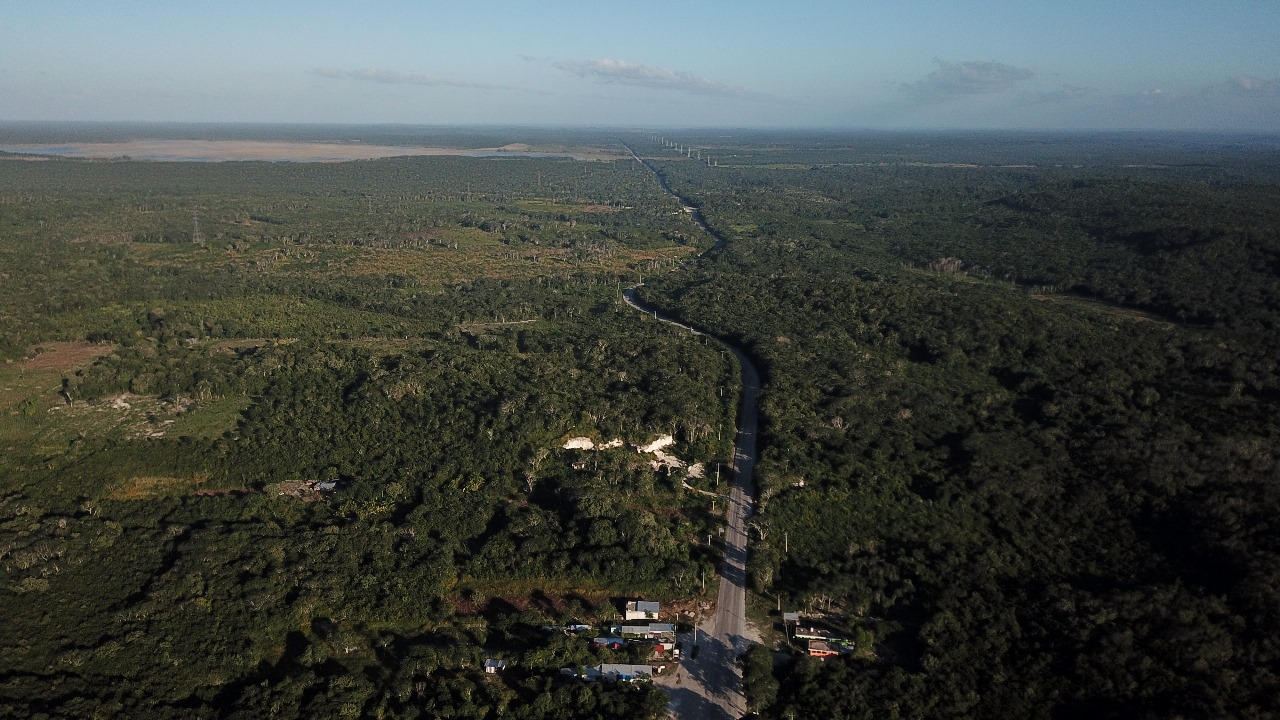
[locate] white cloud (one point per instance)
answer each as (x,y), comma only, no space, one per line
(1254,86)
(626,73)
(1159,97)
(972,77)
(392,77)
(1066,93)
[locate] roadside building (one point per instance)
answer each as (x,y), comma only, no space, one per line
(661,629)
(649,631)
(822,649)
(640,610)
(626,673)
(811,633)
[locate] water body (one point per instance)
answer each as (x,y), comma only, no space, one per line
(255,151)
(503,153)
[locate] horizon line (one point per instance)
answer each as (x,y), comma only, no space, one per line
(652,128)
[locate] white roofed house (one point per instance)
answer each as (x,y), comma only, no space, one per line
(640,610)
(811,633)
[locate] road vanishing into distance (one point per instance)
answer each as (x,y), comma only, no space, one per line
(708,682)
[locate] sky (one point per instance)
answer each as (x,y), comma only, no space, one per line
(1087,64)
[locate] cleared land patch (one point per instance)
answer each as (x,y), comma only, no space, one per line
(209,419)
(64,356)
(31,386)
(154,486)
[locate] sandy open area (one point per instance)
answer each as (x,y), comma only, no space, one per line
(222,150)
(65,356)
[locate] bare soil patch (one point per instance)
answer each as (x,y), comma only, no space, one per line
(65,356)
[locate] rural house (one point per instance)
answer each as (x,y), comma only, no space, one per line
(640,610)
(625,673)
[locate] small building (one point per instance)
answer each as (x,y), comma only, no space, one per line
(822,649)
(649,631)
(811,633)
(626,673)
(613,643)
(633,631)
(665,646)
(640,610)
(493,666)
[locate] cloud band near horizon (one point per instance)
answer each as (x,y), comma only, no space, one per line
(972,77)
(622,72)
(392,77)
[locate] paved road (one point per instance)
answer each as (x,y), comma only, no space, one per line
(710,685)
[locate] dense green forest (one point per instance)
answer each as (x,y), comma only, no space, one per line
(286,439)
(1020,420)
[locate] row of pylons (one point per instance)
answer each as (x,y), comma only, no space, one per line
(689,152)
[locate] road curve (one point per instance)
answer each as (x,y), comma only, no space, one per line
(710,685)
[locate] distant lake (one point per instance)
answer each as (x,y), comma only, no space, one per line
(254,150)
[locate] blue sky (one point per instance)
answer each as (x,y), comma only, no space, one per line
(910,64)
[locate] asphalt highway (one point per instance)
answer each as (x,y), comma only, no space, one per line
(708,683)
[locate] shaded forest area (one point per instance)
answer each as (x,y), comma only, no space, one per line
(1019,420)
